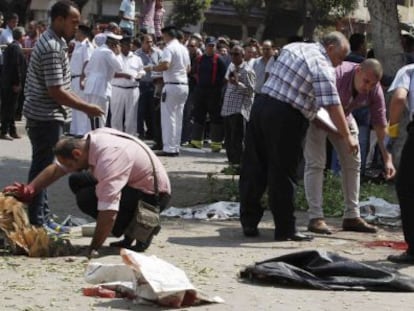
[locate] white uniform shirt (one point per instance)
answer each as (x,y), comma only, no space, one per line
(80,55)
(128,7)
(405,79)
(132,65)
(100,70)
(6,36)
(177,55)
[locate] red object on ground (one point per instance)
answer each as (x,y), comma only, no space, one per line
(392,244)
(99,291)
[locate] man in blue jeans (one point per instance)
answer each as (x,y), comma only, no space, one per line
(49,98)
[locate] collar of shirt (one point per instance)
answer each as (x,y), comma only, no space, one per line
(60,39)
(173,41)
(241,66)
(324,53)
(130,54)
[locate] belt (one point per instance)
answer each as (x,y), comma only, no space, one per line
(125,87)
(178,83)
(75,76)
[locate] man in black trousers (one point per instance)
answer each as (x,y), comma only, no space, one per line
(12,79)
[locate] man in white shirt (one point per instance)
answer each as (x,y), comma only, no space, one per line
(260,64)
(127,16)
(99,72)
(81,55)
(125,91)
(175,64)
(6,36)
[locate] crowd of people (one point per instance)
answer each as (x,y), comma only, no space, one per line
(258,102)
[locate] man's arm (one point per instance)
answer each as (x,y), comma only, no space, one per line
(389,168)
(337,115)
(104,224)
(162,66)
(47,177)
(397,105)
(66,98)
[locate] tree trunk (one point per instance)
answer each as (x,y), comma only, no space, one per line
(386,35)
(259,32)
(387,48)
(245,32)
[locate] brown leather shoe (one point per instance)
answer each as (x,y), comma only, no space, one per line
(318,225)
(358,225)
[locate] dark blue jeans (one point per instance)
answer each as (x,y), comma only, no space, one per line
(43,137)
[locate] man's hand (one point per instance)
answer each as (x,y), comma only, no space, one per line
(93,110)
(352,143)
(23,193)
(389,169)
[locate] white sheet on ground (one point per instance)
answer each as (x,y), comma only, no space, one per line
(222,210)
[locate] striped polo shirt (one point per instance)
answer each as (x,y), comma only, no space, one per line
(49,66)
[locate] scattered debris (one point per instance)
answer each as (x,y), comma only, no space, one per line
(154,280)
(24,238)
(222,210)
(379,211)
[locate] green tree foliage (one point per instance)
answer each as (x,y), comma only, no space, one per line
(307,13)
(243,9)
(188,12)
(327,11)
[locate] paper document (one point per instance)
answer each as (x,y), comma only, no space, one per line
(323,116)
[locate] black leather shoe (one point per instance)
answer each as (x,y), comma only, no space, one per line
(156,147)
(167,154)
(142,246)
(297,237)
(125,243)
(250,232)
(403,258)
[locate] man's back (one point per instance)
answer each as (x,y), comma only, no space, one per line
(179,60)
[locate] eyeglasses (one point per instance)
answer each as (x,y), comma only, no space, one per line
(235,54)
(191,46)
(266,49)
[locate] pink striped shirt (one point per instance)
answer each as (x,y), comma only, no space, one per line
(116,162)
